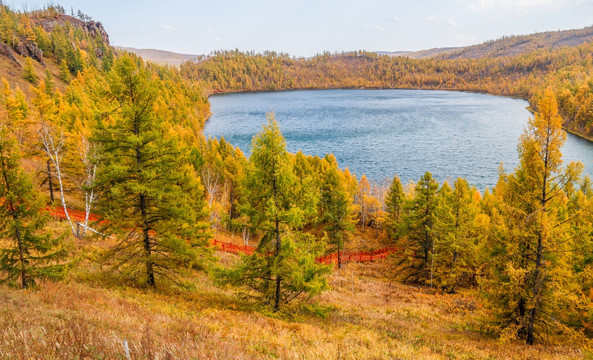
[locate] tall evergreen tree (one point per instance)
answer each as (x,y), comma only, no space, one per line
(284,265)
(149,191)
(26,252)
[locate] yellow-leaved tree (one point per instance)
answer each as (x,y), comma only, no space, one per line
(529,282)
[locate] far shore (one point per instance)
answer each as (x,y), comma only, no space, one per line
(588,138)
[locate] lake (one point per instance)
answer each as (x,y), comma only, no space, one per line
(381,133)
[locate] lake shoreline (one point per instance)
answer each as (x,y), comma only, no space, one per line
(585,137)
(232,92)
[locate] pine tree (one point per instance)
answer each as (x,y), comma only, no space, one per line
(530,284)
(29,73)
(336,205)
(26,252)
(149,191)
(284,265)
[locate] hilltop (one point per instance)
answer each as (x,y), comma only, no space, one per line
(522,44)
(505,46)
(512,45)
(161,56)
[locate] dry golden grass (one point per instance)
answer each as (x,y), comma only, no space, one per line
(368,317)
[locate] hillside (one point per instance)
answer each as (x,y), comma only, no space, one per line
(522,44)
(421,54)
(365,315)
(506,46)
(56,43)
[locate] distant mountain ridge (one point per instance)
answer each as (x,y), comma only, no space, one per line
(520,44)
(505,46)
(162,56)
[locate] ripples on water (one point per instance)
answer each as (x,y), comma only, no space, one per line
(381,133)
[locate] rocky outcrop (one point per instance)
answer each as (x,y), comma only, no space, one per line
(6,52)
(96,28)
(92,27)
(28,48)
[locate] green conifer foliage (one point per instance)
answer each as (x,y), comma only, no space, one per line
(284,266)
(337,210)
(417,231)
(394,204)
(149,191)
(65,75)
(458,231)
(26,252)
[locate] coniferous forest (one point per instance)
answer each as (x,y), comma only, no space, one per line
(125,233)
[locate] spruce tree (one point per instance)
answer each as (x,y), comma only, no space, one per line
(26,252)
(284,266)
(149,192)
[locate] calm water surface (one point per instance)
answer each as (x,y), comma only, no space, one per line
(385,132)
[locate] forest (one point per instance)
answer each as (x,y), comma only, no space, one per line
(113,203)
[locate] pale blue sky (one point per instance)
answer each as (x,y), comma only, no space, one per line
(306,27)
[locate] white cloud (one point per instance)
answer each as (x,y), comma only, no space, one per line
(376,28)
(210,30)
(520,4)
(168,27)
(395,19)
(432,19)
(451,22)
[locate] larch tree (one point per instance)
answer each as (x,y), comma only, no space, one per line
(26,251)
(337,211)
(458,231)
(149,191)
(29,73)
(530,282)
(394,204)
(283,267)
(417,229)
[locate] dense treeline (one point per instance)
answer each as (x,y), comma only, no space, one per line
(124,141)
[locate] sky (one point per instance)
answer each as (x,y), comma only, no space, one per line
(309,27)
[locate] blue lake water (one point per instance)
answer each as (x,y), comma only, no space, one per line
(381,133)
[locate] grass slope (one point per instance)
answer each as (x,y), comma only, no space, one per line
(368,317)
